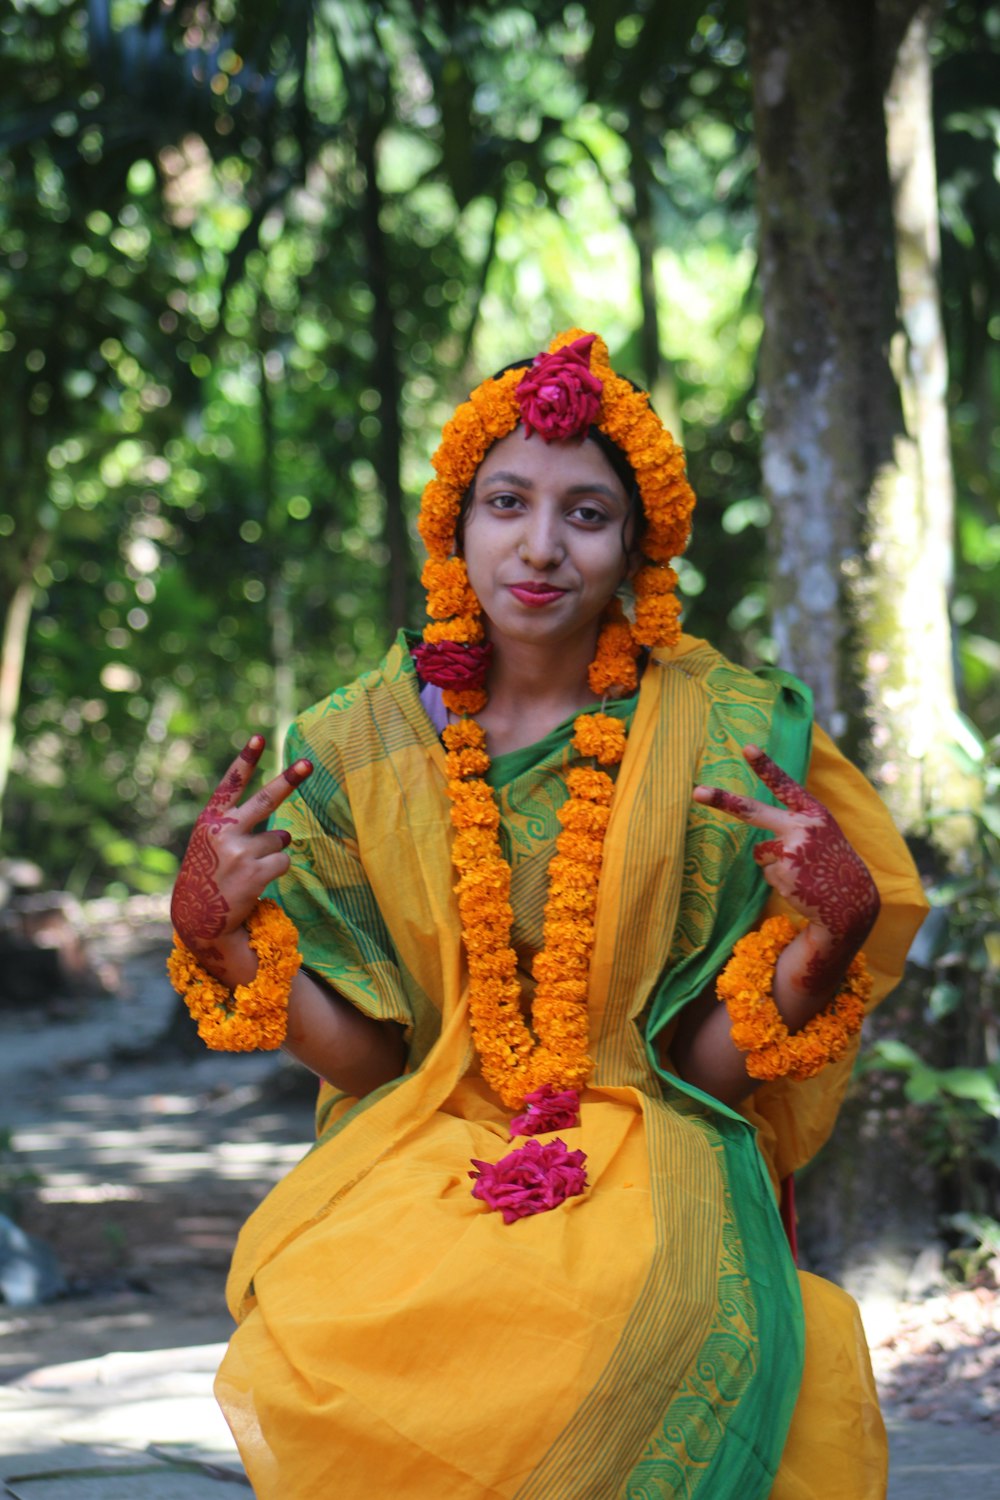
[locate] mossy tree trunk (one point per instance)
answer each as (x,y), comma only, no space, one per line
(853,379)
(857,471)
(832,413)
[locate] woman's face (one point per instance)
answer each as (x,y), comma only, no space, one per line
(543,538)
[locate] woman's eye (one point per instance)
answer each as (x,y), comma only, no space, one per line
(591,515)
(504,502)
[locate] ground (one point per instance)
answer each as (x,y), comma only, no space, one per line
(148,1161)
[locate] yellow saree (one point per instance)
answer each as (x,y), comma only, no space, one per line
(646,1338)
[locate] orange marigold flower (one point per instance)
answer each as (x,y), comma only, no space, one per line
(590,786)
(466,733)
(582,848)
(255,1016)
(757,1026)
(584,817)
(448,589)
(464,629)
(467,763)
(466,701)
(600,736)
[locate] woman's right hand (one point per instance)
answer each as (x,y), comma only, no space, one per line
(227,865)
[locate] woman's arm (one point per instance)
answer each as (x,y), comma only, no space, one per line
(224,872)
(812,866)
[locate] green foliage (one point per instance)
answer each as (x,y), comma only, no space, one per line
(954,1077)
(249,256)
(983,1253)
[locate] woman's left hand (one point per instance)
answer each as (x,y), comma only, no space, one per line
(809,862)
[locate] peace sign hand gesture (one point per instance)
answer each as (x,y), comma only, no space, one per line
(810,863)
(227,865)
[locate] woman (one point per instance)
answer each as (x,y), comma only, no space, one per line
(547,1260)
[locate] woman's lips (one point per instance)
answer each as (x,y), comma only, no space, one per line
(535,595)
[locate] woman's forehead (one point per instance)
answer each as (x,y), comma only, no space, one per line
(531,459)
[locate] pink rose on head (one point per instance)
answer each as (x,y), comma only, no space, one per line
(451,664)
(560,397)
(545,1110)
(530,1180)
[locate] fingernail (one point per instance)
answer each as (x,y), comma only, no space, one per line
(286,838)
(752,750)
(255,742)
(298,772)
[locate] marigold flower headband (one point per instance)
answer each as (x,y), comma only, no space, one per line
(566,391)
(541,1070)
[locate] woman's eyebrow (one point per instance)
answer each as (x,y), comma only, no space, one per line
(507,476)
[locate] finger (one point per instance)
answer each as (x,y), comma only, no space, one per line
(785,788)
(271,842)
(273,867)
(263,803)
(747,809)
(769,853)
(231,787)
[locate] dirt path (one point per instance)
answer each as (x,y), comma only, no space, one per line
(147,1167)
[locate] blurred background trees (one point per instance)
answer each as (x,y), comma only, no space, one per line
(251,255)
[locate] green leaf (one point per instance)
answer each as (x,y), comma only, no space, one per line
(892,1054)
(923,1086)
(974,1084)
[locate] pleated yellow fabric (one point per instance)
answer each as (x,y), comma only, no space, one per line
(642,1340)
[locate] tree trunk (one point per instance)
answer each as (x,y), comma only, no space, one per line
(12,653)
(656,373)
(856,456)
(387,382)
(833,426)
(911,688)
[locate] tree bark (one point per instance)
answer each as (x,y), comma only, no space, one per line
(387,381)
(13,649)
(656,372)
(833,425)
(910,683)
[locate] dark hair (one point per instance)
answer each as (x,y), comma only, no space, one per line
(632,525)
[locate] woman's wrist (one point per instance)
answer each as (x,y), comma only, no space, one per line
(229,957)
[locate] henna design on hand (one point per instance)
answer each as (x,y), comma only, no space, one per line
(729,802)
(788,791)
(811,864)
(199,909)
(769,852)
(831,880)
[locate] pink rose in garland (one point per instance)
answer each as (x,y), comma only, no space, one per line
(547,1110)
(560,397)
(450,664)
(530,1180)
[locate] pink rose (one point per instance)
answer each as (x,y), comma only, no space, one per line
(451,664)
(560,397)
(530,1180)
(546,1110)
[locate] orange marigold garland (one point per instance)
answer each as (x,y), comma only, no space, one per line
(515,1063)
(254,1017)
(541,1071)
(745,985)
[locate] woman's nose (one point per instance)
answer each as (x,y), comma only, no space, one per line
(540,545)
